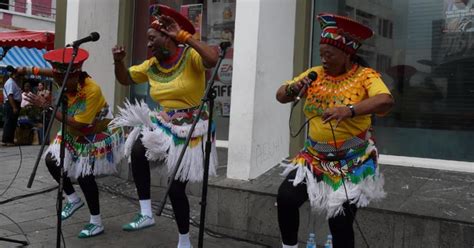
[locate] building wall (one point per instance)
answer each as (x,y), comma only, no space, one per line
(33,22)
(13,20)
(5,18)
(263,59)
(42,7)
(20,6)
(86,16)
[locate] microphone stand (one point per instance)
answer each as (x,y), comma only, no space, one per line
(61,100)
(209,96)
(14,241)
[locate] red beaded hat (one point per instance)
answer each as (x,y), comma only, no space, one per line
(60,58)
(159,9)
(342,32)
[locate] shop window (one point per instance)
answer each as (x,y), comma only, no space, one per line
(385,28)
(365,18)
(383,62)
(4,4)
(429,71)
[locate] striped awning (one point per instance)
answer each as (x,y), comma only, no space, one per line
(22,56)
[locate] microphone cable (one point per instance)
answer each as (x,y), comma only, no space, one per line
(345,191)
(5,191)
(16,174)
(313,76)
(343,176)
(302,126)
(19,227)
(23,196)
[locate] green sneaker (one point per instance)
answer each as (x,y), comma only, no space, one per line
(70,208)
(91,230)
(139,222)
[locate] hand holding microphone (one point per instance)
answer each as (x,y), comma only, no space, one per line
(306,82)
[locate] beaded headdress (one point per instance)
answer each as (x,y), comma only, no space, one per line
(342,32)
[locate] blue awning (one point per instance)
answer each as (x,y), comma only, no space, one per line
(22,56)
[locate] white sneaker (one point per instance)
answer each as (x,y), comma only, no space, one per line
(139,222)
(91,230)
(185,246)
(70,208)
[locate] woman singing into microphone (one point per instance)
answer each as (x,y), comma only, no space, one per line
(339,155)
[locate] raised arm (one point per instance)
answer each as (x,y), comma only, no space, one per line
(120,70)
(35,71)
(172,29)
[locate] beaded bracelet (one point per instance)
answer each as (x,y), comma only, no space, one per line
(289,91)
(183,36)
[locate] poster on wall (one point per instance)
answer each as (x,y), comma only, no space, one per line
(459,16)
(453,36)
(223,87)
(221,26)
(194,14)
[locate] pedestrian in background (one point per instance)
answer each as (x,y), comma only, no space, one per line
(12,101)
(42,91)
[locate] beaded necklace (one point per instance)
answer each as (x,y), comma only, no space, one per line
(164,72)
(172,61)
(329,91)
(77,100)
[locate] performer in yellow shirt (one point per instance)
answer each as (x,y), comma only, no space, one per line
(92,148)
(339,155)
(176,75)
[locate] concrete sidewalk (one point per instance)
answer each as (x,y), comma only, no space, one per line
(36,214)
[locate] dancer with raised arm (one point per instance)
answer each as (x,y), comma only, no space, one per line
(176,75)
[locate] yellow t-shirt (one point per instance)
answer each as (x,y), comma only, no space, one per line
(179,87)
(326,91)
(87,103)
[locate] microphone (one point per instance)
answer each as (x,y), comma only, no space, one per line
(94,36)
(225,44)
(312,75)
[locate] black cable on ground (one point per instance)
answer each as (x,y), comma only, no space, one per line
(22,196)
(17,225)
(28,195)
(169,214)
(16,174)
(25,195)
